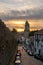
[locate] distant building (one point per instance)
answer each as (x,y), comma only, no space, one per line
(38,36)
(26,30)
(38,42)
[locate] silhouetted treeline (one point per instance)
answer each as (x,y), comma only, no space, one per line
(7,43)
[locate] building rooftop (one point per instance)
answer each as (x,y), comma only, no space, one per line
(39,32)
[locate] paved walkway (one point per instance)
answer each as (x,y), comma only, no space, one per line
(29,60)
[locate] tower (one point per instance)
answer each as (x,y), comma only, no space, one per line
(27,29)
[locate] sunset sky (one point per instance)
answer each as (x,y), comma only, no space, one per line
(14,13)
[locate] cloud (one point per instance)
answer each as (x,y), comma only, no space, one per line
(21,9)
(28,14)
(21,4)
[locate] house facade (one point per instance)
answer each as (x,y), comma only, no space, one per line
(38,42)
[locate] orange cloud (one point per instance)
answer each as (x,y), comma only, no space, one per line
(19,24)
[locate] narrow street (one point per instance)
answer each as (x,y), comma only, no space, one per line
(29,60)
(26,59)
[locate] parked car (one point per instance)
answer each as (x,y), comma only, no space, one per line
(18,51)
(18,54)
(17,62)
(29,52)
(18,58)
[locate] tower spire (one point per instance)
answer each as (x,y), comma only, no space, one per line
(27,29)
